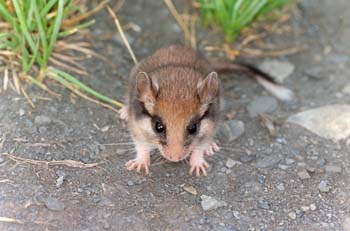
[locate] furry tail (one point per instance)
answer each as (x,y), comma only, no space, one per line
(279,91)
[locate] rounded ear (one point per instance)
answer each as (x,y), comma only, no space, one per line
(145,86)
(147,90)
(208,89)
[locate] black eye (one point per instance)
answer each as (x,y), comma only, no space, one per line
(192,129)
(159,127)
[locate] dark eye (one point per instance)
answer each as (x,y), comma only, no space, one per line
(192,129)
(159,127)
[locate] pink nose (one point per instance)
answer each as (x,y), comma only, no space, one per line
(174,153)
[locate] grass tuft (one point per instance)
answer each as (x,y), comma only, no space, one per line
(234,15)
(33,38)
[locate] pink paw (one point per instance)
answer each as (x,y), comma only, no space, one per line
(123,112)
(198,165)
(212,148)
(138,164)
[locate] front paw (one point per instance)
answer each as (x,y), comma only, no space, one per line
(138,164)
(123,112)
(199,166)
(212,148)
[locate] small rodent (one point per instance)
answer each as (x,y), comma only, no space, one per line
(173,105)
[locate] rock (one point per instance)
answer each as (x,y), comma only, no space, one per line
(324,186)
(305,208)
(130,183)
(231,130)
(333,169)
(314,72)
(2,159)
(278,70)
(289,161)
(313,207)
(42,120)
(53,204)
(330,122)
(268,161)
(280,187)
(210,203)
(231,163)
(292,215)
(263,104)
(61,176)
(247,158)
(21,112)
(190,189)
(283,167)
(264,204)
(346,224)
(303,174)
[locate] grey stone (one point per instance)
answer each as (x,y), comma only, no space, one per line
(247,158)
(289,161)
(330,122)
(210,203)
(21,112)
(130,183)
(313,207)
(268,161)
(231,130)
(231,163)
(292,215)
(264,204)
(278,70)
(263,104)
(61,177)
(280,187)
(303,174)
(333,169)
(314,72)
(324,186)
(42,120)
(346,89)
(2,159)
(53,204)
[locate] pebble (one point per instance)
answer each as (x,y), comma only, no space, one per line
(268,161)
(21,112)
(2,160)
(247,158)
(190,189)
(292,215)
(324,186)
(277,69)
(264,204)
(130,183)
(61,176)
(210,203)
(313,207)
(314,72)
(282,166)
(333,169)
(263,104)
(231,163)
(330,122)
(231,130)
(280,187)
(346,89)
(289,161)
(303,174)
(42,120)
(53,204)
(305,208)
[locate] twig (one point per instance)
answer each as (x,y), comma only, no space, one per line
(27,97)
(77,19)
(282,52)
(68,163)
(120,29)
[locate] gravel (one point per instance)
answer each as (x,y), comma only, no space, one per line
(324,186)
(278,70)
(333,169)
(42,120)
(268,161)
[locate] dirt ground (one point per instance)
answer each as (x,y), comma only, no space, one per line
(263,191)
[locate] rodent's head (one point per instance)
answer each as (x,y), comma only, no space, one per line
(178,115)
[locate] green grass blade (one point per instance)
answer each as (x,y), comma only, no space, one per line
(42,35)
(56,27)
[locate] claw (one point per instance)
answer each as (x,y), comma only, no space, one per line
(138,164)
(199,167)
(212,148)
(123,112)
